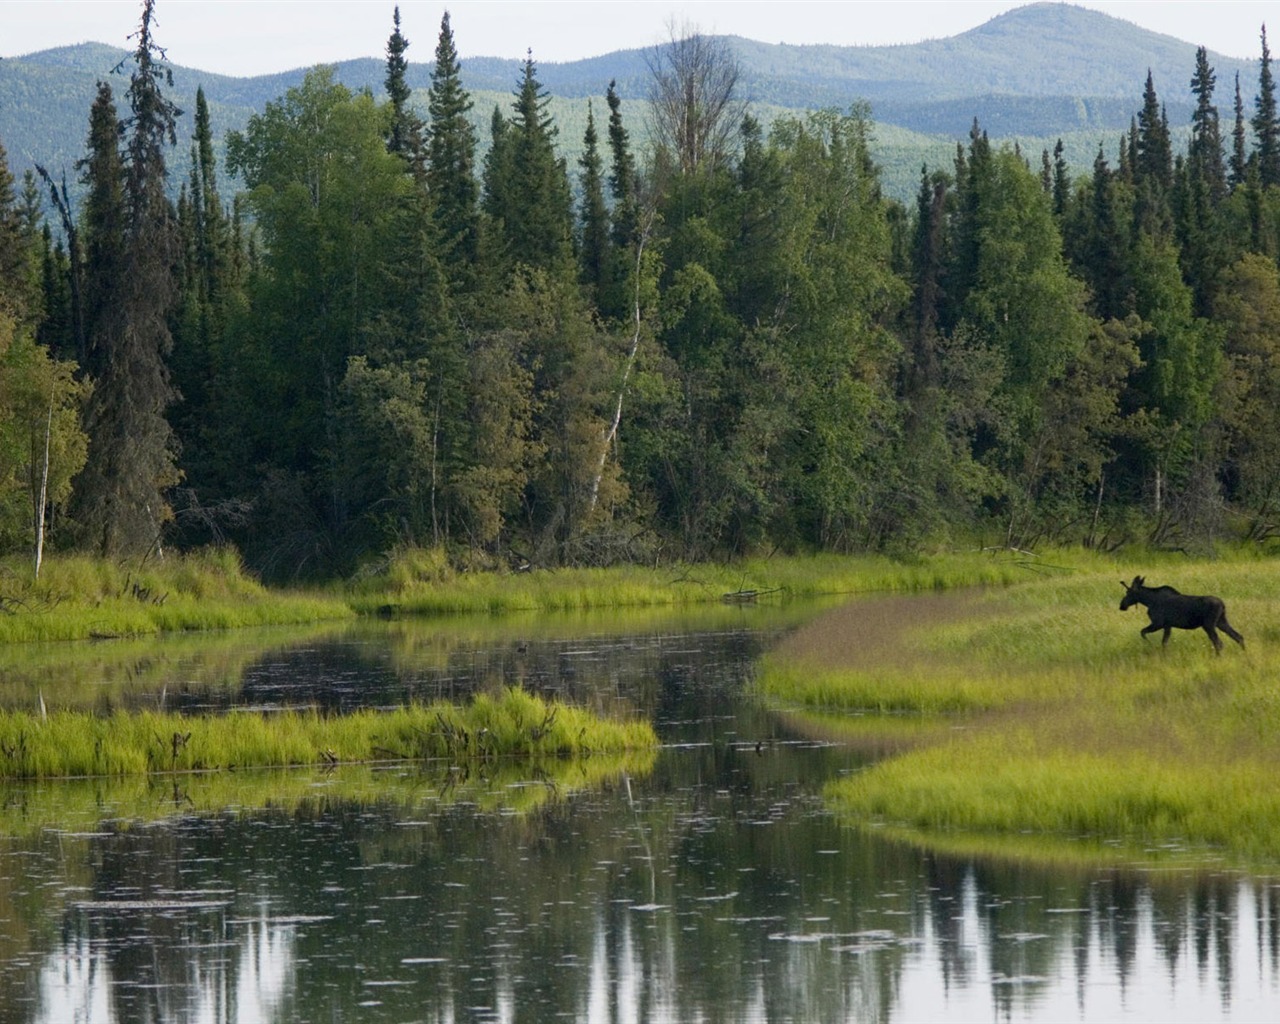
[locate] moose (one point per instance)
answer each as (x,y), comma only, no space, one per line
(1168,609)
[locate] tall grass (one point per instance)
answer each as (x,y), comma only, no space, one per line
(78,597)
(414,582)
(516,723)
(1064,721)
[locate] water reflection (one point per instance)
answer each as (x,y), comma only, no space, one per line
(717,889)
(714,887)
(586,657)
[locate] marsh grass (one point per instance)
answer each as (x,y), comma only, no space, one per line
(79,597)
(414,582)
(1072,724)
(512,724)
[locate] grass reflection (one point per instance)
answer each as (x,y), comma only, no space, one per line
(75,807)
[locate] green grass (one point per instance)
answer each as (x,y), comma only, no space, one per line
(1061,721)
(77,597)
(419,582)
(513,724)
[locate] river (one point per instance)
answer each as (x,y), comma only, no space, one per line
(711,885)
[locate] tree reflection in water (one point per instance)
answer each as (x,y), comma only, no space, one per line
(681,903)
(716,888)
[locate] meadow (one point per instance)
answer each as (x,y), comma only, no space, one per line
(1037,709)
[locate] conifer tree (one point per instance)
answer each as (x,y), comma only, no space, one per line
(1266,123)
(209,283)
(625,226)
(1152,154)
(122,493)
(526,184)
(15,279)
(1106,263)
(451,160)
(1154,148)
(404,135)
(623,182)
(1061,180)
(1204,154)
(1238,163)
(594,250)
(102,175)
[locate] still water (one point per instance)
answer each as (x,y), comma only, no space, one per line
(708,885)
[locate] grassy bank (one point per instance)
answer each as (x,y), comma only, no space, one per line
(78,598)
(71,744)
(1061,720)
(421,582)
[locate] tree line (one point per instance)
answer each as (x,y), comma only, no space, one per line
(730,341)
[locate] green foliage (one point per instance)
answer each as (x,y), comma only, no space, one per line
(741,347)
(40,404)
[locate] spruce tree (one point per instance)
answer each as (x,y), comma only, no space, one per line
(209,281)
(1205,151)
(1061,180)
(625,230)
(1152,166)
(1154,149)
(623,182)
(1238,164)
(1266,125)
(526,184)
(594,250)
(122,491)
(400,135)
(103,231)
(451,161)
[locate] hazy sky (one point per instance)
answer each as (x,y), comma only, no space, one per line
(246,37)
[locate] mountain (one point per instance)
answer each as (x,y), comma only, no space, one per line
(1031,75)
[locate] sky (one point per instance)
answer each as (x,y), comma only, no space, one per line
(250,37)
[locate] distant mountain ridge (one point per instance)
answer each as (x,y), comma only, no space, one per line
(1033,73)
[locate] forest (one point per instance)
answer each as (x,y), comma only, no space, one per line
(726,342)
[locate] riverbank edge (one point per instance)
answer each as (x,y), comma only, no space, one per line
(79,598)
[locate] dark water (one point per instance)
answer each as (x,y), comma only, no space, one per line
(711,886)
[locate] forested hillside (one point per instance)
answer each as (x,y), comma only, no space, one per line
(372,325)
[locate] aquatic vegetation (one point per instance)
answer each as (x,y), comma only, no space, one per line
(1061,719)
(512,724)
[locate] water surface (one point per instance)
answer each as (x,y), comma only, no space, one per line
(714,886)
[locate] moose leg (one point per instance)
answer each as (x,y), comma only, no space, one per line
(1153,628)
(1226,628)
(1213,637)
